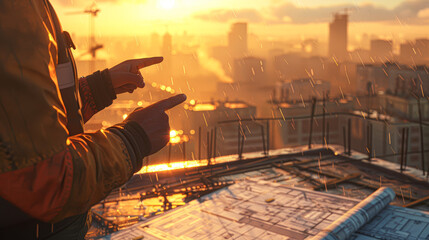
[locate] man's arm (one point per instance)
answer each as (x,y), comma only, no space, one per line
(43,172)
(99,89)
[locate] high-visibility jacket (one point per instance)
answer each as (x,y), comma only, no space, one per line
(49,168)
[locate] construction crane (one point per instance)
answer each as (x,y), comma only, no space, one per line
(93,46)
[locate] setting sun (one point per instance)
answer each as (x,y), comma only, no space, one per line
(166,4)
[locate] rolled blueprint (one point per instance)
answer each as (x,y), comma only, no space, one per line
(359,215)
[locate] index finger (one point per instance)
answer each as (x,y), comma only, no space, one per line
(169,103)
(146,62)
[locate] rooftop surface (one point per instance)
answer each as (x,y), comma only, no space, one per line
(256,209)
(334,182)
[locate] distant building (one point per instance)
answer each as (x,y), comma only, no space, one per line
(360,56)
(341,75)
(405,107)
(294,131)
(289,66)
(381,50)
(300,90)
(251,82)
(237,40)
(249,69)
(422,49)
(415,53)
(371,78)
(294,65)
(338,37)
(407,53)
(167,51)
(167,44)
(406,80)
(207,115)
(393,78)
(387,137)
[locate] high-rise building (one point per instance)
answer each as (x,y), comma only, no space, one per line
(167,45)
(338,36)
(237,40)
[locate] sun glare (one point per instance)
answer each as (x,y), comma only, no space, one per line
(166,4)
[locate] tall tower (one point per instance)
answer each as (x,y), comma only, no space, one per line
(167,43)
(338,36)
(237,40)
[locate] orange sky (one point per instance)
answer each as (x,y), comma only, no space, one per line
(207,17)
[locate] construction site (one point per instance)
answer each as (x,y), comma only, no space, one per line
(264,191)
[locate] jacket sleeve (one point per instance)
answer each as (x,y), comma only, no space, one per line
(96,93)
(43,172)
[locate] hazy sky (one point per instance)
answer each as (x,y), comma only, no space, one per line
(294,18)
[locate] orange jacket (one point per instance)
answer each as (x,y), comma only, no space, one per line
(44,172)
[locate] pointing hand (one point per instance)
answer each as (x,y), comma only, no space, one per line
(154,121)
(126,76)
